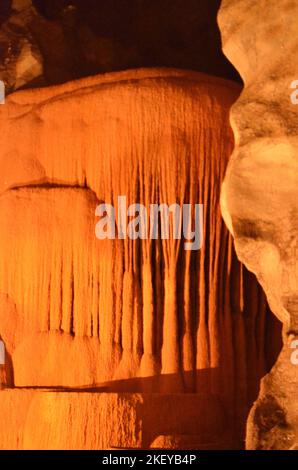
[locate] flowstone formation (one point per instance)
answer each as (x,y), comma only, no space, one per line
(259,196)
(178,339)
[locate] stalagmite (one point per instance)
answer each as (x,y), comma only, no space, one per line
(125,316)
(259,197)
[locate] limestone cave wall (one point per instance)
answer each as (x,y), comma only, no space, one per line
(139,343)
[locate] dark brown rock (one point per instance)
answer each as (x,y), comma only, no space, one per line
(77,38)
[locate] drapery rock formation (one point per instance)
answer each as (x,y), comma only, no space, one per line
(178,338)
(259,197)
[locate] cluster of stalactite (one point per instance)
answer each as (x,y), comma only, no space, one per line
(137,315)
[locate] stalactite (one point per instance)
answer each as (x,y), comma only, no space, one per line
(128,315)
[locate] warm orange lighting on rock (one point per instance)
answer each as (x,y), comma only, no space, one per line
(81,316)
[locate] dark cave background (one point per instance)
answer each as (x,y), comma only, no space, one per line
(78,38)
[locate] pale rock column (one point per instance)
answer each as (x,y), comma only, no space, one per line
(259,195)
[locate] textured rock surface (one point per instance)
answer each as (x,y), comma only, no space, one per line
(50,419)
(123,315)
(259,198)
(21,62)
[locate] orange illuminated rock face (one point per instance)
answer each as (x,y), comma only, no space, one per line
(124,316)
